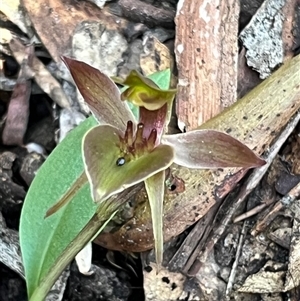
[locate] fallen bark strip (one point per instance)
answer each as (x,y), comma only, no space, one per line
(10,252)
(41,75)
(263,38)
(206,54)
(148,14)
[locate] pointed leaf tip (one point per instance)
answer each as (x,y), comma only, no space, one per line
(100,93)
(155,187)
(207,149)
(108,172)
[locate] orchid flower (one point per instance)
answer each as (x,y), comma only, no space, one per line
(123,151)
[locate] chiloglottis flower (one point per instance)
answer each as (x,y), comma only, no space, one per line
(123,151)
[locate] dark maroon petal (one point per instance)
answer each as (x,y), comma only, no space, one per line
(100,93)
(153,120)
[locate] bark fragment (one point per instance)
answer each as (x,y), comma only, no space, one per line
(206,55)
(262,38)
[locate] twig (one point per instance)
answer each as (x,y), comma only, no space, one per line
(286,202)
(10,253)
(254,210)
(193,241)
(250,213)
(236,261)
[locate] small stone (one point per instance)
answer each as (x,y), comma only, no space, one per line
(30,165)
(103,48)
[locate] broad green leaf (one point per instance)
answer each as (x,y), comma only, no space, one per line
(155,187)
(44,240)
(162,79)
(134,109)
(100,93)
(144,92)
(207,149)
(95,225)
(106,176)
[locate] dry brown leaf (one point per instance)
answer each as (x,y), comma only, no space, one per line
(41,75)
(293,273)
(156,57)
(56,20)
(18,109)
(14,12)
(264,282)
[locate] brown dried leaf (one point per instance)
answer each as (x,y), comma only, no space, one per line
(14,12)
(264,282)
(18,110)
(156,57)
(55,21)
(41,75)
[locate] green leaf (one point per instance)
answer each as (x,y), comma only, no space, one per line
(101,152)
(134,109)
(95,225)
(44,240)
(100,93)
(155,187)
(207,149)
(144,92)
(162,79)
